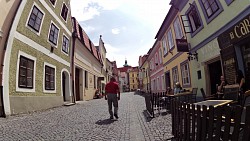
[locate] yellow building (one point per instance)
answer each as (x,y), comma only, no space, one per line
(133,79)
(175,62)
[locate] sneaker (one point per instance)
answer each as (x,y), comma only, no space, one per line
(111,117)
(116,116)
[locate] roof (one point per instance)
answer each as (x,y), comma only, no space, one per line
(85,40)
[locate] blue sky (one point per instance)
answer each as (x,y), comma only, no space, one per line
(128,27)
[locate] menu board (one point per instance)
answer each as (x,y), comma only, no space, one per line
(229,64)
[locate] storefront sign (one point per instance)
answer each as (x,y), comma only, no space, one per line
(240,30)
(182,45)
(236,33)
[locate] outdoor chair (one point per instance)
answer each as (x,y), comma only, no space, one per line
(205,97)
(231,94)
(194,94)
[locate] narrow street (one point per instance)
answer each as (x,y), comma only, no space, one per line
(89,121)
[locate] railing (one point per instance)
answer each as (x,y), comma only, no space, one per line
(201,123)
(159,101)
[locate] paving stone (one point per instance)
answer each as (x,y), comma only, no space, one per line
(88,120)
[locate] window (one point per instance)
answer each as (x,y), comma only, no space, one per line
(49,78)
(86,79)
(65,44)
(185,74)
(228,2)
(160,56)
(53,34)
(210,8)
(158,83)
(175,75)
(194,19)
(163,82)
(64,12)
(35,19)
(26,71)
(53,1)
(170,39)
(164,45)
(177,29)
(156,60)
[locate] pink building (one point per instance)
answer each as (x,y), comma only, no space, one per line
(156,72)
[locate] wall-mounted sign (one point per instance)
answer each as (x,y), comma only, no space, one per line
(182,45)
(236,33)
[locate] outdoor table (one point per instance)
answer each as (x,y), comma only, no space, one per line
(214,103)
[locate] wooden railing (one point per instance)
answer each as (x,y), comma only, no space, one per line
(192,122)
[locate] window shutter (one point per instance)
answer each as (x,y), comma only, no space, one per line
(186,24)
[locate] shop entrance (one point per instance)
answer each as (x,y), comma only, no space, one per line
(214,73)
(245,49)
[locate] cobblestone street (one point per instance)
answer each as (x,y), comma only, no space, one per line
(89,121)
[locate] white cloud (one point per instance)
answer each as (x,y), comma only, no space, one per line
(115,31)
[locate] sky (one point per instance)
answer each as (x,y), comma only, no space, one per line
(128,27)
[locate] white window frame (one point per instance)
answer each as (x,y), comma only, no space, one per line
(178,29)
(18,89)
(54,5)
(67,13)
(170,39)
(158,83)
(163,82)
(68,45)
(185,74)
(175,75)
(27,21)
(160,56)
(57,35)
(164,45)
(156,59)
(52,66)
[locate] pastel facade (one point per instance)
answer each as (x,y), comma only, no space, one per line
(175,63)
(87,65)
(7,10)
(156,71)
(133,79)
(36,72)
(206,30)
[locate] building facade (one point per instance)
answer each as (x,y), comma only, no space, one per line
(133,79)
(205,26)
(156,71)
(87,65)
(175,62)
(36,72)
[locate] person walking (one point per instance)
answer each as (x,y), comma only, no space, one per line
(112,94)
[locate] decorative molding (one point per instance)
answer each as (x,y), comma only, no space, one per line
(40,48)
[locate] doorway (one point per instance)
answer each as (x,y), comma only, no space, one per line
(167,79)
(215,73)
(77,83)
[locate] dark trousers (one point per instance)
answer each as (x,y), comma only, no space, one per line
(112,99)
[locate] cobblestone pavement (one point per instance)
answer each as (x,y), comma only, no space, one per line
(88,121)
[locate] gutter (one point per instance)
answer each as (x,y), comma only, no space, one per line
(5,40)
(73,66)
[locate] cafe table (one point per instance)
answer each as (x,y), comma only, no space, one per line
(214,103)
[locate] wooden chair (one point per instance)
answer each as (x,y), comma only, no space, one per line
(194,94)
(205,97)
(231,94)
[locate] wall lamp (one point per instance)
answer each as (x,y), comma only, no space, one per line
(192,56)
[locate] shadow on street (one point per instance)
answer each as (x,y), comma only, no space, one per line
(105,122)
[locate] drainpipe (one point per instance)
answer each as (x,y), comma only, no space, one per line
(73,65)
(5,40)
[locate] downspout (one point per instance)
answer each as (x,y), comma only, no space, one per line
(72,62)
(5,40)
